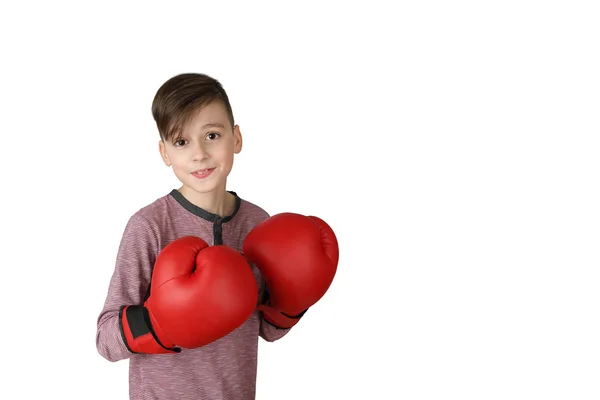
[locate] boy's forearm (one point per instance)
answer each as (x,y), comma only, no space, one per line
(128,285)
(109,340)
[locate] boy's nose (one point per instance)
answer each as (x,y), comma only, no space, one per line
(200,152)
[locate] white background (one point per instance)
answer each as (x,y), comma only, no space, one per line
(453,147)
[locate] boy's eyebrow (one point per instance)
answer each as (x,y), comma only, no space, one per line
(214,125)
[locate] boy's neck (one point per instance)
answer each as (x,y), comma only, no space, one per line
(220,202)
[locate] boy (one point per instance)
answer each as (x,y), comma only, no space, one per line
(198,140)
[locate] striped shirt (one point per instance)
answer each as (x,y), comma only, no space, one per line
(222,370)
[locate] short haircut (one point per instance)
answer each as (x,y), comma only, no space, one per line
(181,97)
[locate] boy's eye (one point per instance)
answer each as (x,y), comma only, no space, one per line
(212,135)
(179,142)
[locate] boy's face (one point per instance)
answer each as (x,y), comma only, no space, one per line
(202,159)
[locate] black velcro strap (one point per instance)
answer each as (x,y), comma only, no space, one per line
(136,319)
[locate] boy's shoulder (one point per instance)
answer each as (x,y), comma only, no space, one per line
(154,211)
(251,210)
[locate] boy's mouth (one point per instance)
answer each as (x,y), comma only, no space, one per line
(203,173)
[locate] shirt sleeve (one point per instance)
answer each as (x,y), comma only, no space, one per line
(129,285)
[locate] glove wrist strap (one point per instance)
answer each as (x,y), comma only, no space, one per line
(137,333)
(279,319)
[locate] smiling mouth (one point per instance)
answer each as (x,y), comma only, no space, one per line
(203,173)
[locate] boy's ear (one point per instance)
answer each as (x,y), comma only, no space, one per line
(163,153)
(237,137)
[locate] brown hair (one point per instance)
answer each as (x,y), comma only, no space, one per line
(180,97)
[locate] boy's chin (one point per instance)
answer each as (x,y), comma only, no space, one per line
(209,187)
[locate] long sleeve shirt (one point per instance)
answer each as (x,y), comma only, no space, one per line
(223,369)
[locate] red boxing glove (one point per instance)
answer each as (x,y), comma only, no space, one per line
(298,257)
(198,294)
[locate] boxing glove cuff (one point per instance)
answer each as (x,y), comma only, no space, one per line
(279,319)
(137,332)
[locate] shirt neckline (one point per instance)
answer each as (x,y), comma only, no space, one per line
(202,213)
